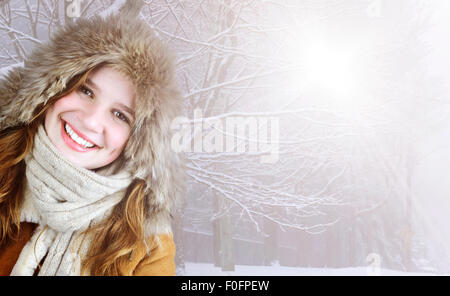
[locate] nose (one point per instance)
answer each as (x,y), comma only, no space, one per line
(93,119)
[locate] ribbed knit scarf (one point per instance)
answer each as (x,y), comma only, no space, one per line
(64,200)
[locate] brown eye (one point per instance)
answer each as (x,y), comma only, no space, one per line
(86,91)
(121,116)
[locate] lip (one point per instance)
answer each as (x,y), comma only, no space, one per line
(71,143)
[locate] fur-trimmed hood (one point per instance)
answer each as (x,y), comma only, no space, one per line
(130,45)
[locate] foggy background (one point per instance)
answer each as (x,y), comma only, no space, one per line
(340,144)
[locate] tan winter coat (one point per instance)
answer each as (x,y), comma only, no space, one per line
(160,262)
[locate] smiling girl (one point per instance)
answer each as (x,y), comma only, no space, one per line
(88,179)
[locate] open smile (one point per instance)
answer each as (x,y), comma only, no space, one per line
(75,139)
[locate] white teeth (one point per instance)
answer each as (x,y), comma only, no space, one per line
(76,138)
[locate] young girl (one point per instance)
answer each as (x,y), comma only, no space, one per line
(87,175)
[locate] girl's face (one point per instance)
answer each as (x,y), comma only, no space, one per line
(91,125)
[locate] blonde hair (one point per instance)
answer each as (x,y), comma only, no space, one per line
(114,240)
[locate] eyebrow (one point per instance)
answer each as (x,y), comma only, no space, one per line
(92,84)
(97,89)
(127,109)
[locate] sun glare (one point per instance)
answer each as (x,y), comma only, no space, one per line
(330,68)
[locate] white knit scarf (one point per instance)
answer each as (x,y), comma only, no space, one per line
(64,200)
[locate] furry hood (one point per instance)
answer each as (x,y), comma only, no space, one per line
(130,45)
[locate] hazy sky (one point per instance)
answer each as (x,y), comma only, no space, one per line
(431,178)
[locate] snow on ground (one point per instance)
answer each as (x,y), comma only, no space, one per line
(207,269)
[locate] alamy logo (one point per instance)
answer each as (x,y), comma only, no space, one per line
(234,133)
(374,267)
(374,8)
(74,8)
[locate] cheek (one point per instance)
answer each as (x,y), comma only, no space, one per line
(118,138)
(66,103)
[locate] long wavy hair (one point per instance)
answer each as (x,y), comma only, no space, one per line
(113,240)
